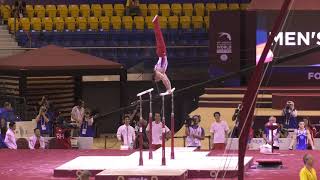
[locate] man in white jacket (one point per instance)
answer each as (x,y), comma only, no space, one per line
(10,139)
(126,134)
(36,141)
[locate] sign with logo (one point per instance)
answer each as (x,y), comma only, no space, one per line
(224,45)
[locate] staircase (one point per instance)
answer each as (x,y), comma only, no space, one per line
(7,41)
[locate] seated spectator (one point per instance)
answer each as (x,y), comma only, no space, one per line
(219,130)
(44,122)
(289,116)
(7,112)
(308,172)
(312,130)
(301,137)
(2,144)
(132,8)
(77,115)
(86,128)
(126,133)
(194,133)
(36,141)
(157,131)
(3,128)
(276,134)
(10,139)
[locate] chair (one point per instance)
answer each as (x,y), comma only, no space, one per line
(116,22)
(70,23)
(139,22)
(59,24)
(197,22)
(36,24)
(74,10)
(163,22)
(143,10)
(153,9)
(11,24)
(62,11)
(127,22)
(51,11)
(119,9)
(93,23)
(206,22)
(85,10)
(25,24)
(222,6)
(148,21)
(82,23)
(107,9)
(185,22)
(165,10)
(104,22)
(173,22)
(244,6)
(5,12)
(47,24)
(210,7)
(30,11)
(176,9)
(199,9)
(187,9)
(234,6)
(96,10)
(39,11)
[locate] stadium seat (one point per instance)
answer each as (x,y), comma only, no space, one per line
(176,9)
(84,10)
(222,6)
(153,9)
(36,24)
(199,9)
(210,7)
(187,9)
(165,10)
(148,21)
(74,10)
(82,23)
(185,22)
(59,24)
(206,22)
(51,11)
(127,22)
(93,23)
(62,11)
(47,24)
(70,23)
(5,11)
(173,22)
(163,22)
(119,9)
(39,11)
(116,22)
(197,22)
(107,9)
(139,22)
(25,24)
(104,23)
(11,24)
(234,6)
(30,11)
(96,10)
(244,6)
(143,10)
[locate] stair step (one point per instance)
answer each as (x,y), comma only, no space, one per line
(5,35)
(232,104)
(4,31)
(3,27)
(5,44)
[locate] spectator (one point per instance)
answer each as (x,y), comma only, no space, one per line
(143,124)
(126,133)
(312,130)
(132,8)
(36,141)
(157,131)
(290,116)
(308,172)
(3,128)
(44,122)
(86,128)
(83,175)
(10,139)
(194,133)
(219,131)
(301,137)
(7,112)
(276,134)
(77,115)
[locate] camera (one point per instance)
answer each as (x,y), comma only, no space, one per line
(188,122)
